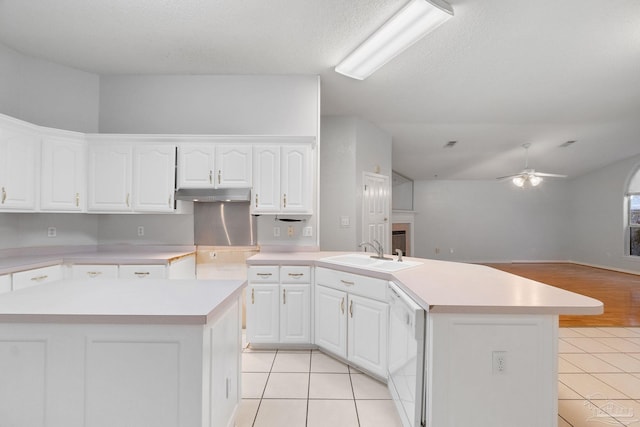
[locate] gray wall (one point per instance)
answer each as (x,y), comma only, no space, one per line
(20,230)
(350,146)
(598,217)
(489,221)
(48,94)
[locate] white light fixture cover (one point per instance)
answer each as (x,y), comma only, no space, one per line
(410,24)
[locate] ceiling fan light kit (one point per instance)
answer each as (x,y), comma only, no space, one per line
(415,20)
(529,176)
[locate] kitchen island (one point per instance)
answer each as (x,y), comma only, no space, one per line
(124,352)
(486,351)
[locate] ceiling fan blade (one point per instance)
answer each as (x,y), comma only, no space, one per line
(502,178)
(552,175)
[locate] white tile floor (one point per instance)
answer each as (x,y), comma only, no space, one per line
(599,385)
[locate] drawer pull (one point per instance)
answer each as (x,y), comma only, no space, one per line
(347,283)
(264,274)
(141,273)
(93,274)
(351,308)
(39,278)
(296,275)
(342,305)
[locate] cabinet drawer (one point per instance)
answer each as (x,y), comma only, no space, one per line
(295,274)
(142,272)
(352,283)
(37,276)
(5,283)
(264,274)
(89,271)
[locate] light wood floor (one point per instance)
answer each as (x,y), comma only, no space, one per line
(620,292)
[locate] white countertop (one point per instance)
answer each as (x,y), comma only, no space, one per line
(125,254)
(452,287)
(149,301)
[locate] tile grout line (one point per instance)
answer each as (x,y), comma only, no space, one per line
(353,393)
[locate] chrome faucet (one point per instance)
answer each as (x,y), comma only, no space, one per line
(376,246)
(399,253)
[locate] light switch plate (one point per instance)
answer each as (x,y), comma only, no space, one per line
(307,231)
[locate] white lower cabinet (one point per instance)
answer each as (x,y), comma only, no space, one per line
(5,283)
(37,276)
(279,305)
(142,272)
(88,271)
(349,322)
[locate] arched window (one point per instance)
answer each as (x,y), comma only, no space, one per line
(633,197)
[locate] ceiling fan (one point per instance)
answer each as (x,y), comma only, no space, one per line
(529,175)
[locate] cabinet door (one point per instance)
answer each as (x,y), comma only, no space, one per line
(295,186)
(154,178)
(266,179)
(263,313)
(331,320)
(18,162)
(110,178)
(225,366)
(63,174)
(5,283)
(233,166)
(367,332)
(195,166)
(295,314)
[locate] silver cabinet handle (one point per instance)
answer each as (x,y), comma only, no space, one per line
(219,176)
(210,177)
(296,275)
(4,195)
(284,200)
(342,305)
(141,274)
(347,283)
(256,200)
(77,199)
(284,296)
(127,199)
(39,278)
(264,274)
(351,308)
(93,274)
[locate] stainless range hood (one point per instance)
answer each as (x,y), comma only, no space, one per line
(214,194)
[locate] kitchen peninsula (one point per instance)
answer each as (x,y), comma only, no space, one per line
(488,350)
(89,353)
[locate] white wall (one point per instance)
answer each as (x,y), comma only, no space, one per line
(598,217)
(48,94)
(489,221)
(350,146)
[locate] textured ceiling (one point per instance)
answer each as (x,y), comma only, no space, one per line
(497,75)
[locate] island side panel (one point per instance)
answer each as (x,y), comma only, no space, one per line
(493,370)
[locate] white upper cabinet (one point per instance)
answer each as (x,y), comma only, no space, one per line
(295,184)
(214,165)
(154,178)
(110,171)
(62,184)
(283,179)
(266,179)
(19,162)
(233,166)
(195,166)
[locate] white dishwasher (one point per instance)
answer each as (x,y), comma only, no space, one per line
(407,363)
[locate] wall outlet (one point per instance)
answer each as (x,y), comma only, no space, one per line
(213,255)
(345,221)
(140,231)
(499,360)
(276,231)
(307,231)
(51,232)
(290,231)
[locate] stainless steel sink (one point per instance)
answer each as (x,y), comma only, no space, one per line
(366,261)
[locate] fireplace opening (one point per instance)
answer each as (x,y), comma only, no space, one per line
(400,238)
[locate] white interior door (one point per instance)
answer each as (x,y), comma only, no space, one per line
(376,203)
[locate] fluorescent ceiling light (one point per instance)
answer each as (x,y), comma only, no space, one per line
(410,24)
